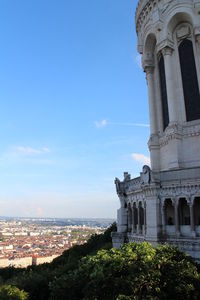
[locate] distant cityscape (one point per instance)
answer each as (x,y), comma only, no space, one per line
(33,241)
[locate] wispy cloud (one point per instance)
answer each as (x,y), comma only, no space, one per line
(101,124)
(139,157)
(25,150)
(104,123)
(128,124)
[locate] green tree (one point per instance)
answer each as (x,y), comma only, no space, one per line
(136,271)
(9,292)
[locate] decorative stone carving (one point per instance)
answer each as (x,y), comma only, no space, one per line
(127,177)
(166,6)
(146,175)
(183,32)
(118,186)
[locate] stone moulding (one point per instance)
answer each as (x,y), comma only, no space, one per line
(176,131)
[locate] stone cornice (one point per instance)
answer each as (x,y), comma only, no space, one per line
(173,131)
(175,192)
(188,191)
(176,131)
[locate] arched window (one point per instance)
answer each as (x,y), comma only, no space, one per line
(184,212)
(135,216)
(169,212)
(129,218)
(163,89)
(196,210)
(190,81)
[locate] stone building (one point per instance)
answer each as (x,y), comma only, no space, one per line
(163,204)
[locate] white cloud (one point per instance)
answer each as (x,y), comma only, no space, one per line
(31,151)
(128,124)
(145,160)
(101,124)
(138,61)
(104,123)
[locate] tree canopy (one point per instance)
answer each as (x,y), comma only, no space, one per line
(136,271)
(96,271)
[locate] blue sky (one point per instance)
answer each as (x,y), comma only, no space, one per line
(73,96)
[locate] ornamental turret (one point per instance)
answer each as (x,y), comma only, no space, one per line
(169,42)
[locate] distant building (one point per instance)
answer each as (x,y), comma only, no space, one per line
(163,204)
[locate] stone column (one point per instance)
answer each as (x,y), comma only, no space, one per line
(122,216)
(176,218)
(169,74)
(193,233)
(151,93)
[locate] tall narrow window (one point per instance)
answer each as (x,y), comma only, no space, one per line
(163,89)
(190,81)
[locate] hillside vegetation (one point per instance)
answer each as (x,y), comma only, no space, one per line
(96,271)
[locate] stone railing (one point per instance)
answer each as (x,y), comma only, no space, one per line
(133,184)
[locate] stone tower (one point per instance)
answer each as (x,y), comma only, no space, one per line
(163,204)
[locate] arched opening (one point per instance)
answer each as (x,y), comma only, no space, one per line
(149,48)
(196,208)
(184,212)
(163,90)
(135,216)
(178,18)
(141,216)
(189,80)
(129,218)
(169,212)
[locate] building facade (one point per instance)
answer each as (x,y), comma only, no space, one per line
(163,204)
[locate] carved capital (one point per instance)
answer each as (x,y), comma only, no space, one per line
(189,201)
(148,65)
(183,32)
(165,44)
(192,198)
(175,201)
(197,34)
(198,39)
(167,51)
(149,70)
(197,30)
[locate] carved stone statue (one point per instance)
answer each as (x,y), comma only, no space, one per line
(146,175)
(117,184)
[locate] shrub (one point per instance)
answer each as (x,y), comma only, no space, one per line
(9,292)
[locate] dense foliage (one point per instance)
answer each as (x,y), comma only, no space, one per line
(8,292)
(95,271)
(136,271)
